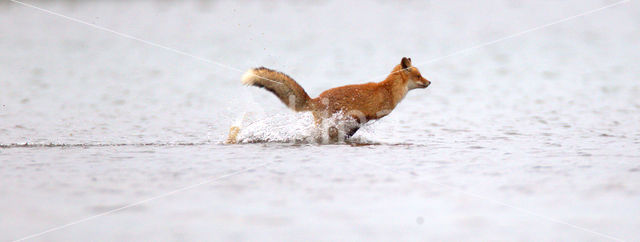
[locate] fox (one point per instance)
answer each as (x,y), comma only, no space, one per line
(355,105)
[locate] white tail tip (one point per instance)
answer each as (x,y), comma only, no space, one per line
(248,77)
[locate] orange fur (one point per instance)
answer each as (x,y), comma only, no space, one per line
(361,102)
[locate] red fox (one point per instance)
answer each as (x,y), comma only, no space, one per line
(357,104)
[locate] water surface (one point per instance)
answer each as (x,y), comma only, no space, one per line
(531,138)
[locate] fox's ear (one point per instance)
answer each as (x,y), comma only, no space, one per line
(405,62)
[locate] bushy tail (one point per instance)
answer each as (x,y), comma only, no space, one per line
(283,86)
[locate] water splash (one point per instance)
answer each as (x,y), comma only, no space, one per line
(300,128)
(285,128)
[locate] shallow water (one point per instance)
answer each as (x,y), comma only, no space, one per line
(531,138)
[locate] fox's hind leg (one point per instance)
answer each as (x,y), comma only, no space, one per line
(334,134)
(326,133)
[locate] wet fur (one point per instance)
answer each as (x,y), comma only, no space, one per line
(360,102)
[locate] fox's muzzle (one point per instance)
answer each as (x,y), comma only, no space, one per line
(425,84)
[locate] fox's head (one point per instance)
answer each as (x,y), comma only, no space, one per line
(411,74)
